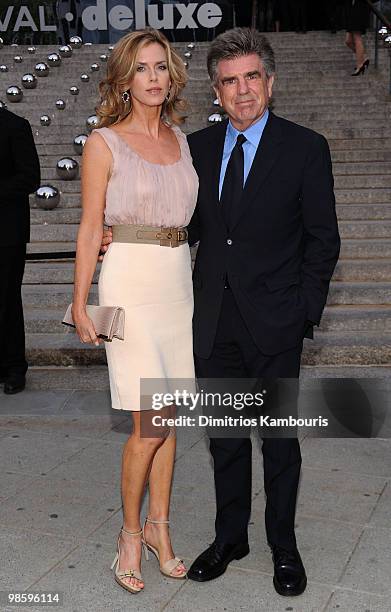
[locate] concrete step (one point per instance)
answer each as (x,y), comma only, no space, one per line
(357,181)
(365,195)
(366,157)
(351,212)
(328,348)
(365,249)
(365,229)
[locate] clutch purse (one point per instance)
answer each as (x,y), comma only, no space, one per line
(109,321)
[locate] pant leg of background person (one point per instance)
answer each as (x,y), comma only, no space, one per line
(303,15)
(12,338)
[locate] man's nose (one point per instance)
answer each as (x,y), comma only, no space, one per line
(242,86)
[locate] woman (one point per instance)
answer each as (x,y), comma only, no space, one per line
(138,177)
(357,17)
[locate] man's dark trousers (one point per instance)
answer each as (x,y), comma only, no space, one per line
(12,360)
(235,355)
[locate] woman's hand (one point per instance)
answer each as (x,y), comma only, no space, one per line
(107,239)
(84,327)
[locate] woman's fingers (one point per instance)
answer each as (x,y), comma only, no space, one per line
(87,333)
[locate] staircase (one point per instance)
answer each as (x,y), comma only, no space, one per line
(313,88)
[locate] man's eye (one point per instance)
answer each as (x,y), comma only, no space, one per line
(252,76)
(229,81)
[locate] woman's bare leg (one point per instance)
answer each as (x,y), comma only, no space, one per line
(359,49)
(349,41)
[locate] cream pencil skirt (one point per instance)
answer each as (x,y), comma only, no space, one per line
(154,286)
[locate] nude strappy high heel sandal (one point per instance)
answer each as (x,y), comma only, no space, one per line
(168,567)
(119,575)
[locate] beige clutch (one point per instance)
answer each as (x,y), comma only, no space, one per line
(109,321)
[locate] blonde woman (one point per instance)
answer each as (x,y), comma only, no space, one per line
(138,177)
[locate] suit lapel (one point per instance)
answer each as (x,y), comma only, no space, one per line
(266,156)
(214,157)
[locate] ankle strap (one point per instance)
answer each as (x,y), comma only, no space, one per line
(132,533)
(148,520)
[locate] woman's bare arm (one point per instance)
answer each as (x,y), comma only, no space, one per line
(97,160)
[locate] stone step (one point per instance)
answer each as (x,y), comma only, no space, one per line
(380,155)
(363,211)
(61,272)
(331,348)
(340,293)
(357,181)
(359,196)
(335,318)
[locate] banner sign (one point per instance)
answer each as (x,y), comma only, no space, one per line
(102,21)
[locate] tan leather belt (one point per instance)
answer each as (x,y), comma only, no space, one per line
(147,234)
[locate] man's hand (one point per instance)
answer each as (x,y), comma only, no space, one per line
(107,239)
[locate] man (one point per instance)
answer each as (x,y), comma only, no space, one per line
(268,244)
(19,176)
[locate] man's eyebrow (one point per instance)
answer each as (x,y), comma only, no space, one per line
(247,74)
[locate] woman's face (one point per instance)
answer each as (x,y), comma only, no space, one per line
(151,82)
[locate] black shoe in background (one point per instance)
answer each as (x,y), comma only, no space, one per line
(289,574)
(14,384)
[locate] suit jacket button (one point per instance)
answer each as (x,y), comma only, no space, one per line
(229,241)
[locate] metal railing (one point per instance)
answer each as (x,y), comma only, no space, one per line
(381,19)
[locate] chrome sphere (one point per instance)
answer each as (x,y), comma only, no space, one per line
(14,45)
(215,118)
(186,64)
(65,51)
(41,69)
(188,54)
(14,94)
(216,102)
(191,46)
(1,43)
(31,50)
(29,81)
(3,68)
(67,169)
(94,67)
(45,120)
(47,197)
(103,57)
(111,47)
(76,42)
(74,91)
(18,59)
(383,32)
(84,77)
(88,44)
(2,104)
(79,142)
(387,42)
(91,122)
(54,59)
(60,104)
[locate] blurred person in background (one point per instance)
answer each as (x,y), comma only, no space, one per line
(19,176)
(357,18)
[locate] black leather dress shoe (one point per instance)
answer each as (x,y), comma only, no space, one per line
(214,560)
(289,573)
(14,385)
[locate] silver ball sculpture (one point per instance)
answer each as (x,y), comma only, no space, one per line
(65,51)
(111,47)
(45,120)
(41,69)
(215,118)
(387,42)
(60,104)
(216,102)
(79,142)
(31,50)
(14,45)
(186,64)
(84,77)
(67,169)
(88,44)
(54,60)
(3,68)
(47,197)
(188,54)
(14,94)
(18,59)
(91,122)
(76,42)
(29,81)
(383,32)
(94,67)
(191,46)
(103,57)
(74,91)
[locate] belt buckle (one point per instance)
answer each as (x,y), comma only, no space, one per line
(171,238)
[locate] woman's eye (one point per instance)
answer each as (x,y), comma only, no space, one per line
(140,68)
(163,67)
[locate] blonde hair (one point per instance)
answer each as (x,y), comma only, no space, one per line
(121,68)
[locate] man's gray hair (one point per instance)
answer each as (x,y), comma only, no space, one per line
(237,43)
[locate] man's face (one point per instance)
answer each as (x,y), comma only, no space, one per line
(243,89)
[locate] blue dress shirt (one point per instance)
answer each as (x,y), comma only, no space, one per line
(253,135)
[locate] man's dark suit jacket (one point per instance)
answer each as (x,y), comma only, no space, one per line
(19,176)
(281,250)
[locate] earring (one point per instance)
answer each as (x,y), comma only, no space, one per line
(168,96)
(125,96)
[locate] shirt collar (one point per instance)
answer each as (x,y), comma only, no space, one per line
(253,133)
